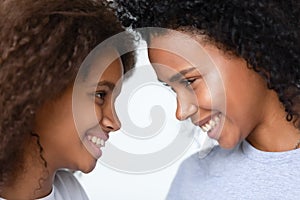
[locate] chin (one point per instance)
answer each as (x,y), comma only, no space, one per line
(87,169)
(88,166)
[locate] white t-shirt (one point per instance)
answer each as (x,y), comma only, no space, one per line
(65,187)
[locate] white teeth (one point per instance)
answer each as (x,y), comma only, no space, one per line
(102,143)
(204,129)
(97,141)
(208,127)
(217,118)
(211,124)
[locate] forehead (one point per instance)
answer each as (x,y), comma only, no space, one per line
(168,59)
(177,50)
(106,65)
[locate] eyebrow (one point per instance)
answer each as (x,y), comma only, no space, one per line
(110,85)
(177,76)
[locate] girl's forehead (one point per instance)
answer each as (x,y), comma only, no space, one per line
(184,51)
(99,62)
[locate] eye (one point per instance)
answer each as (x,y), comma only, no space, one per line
(100,96)
(167,85)
(187,82)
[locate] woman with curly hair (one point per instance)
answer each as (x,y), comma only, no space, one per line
(43,44)
(234,66)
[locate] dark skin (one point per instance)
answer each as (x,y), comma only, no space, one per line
(43,46)
(256,115)
(64,144)
(263,33)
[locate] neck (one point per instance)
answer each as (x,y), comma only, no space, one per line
(275,133)
(34,181)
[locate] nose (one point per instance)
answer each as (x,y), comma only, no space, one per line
(185,109)
(110,121)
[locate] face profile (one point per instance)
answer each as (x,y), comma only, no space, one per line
(96,95)
(216,94)
(43,139)
(246,98)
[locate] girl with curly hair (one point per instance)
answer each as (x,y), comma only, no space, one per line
(43,44)
(234,66)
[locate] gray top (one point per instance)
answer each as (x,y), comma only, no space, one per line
(241,173)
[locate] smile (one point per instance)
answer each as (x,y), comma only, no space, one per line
(99,142)
(208,126)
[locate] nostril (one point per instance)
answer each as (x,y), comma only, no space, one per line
(109,124)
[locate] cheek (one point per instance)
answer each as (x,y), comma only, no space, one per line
(206,95)
(215,90)
(246,93)
(245,104)
(204,99)
(98,111)
(84,113)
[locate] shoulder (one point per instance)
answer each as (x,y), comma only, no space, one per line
(217,155)
(214,162)
(196,170)
(68,187)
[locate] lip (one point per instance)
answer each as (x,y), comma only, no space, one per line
(215,132)
(205,120)
(95,151)
(104,136)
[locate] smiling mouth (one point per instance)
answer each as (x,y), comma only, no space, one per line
(98,142)
(211,124)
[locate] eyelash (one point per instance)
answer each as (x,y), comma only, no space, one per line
(187,82)
(100,94)
(167,85)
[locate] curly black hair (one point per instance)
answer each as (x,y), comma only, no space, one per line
(265,33)
(43,44)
